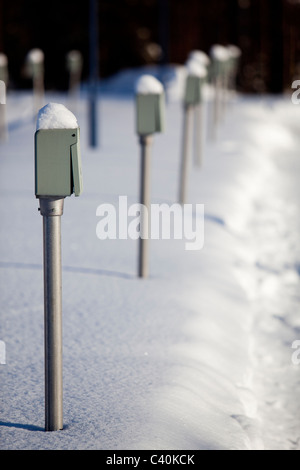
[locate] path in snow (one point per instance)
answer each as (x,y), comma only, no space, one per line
(270,276)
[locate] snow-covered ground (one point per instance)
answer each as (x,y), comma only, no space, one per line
(198,356)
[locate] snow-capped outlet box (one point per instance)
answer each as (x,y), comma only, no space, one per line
(193,89)
(150,106)
(34,63)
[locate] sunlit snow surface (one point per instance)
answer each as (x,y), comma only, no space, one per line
(198,356)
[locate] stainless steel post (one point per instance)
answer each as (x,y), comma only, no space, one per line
(185,153)
(199,134)
(52,209)
(3,119)
(146,142)
(38,90)
(3,123)
(217,106)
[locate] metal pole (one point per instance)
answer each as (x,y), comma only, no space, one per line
(52,209)
(3,120)
(38,89)
(185,153)
(199,134)
(217,105)
(3,123)
(224,96)
(163,23)
(146,142)
(94,75)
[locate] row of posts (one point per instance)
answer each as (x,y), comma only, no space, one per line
(59,176)
(222,72)
(221,68)
(34,69)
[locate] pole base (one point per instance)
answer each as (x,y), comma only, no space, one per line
(51,205)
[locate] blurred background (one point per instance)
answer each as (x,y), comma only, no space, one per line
(134,33)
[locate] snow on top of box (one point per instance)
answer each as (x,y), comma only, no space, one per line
(56,116)
(234,51)
(3,59)
(196,69)
(149,85)
(35,56)
(219,52)
(199,56)
(74,56)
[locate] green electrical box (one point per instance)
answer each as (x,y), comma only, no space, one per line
(3,68)
(57,162)
(150,113)
(74,61)
(193,90)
